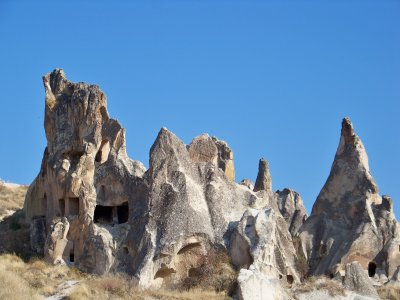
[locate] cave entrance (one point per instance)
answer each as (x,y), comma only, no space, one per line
(103,214)
(371,269)
(123,213)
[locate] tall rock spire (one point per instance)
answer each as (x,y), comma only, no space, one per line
(350,221)
(264,180)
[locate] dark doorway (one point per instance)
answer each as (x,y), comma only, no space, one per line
(371,269)
(103,214)
(123,213)
(71,257)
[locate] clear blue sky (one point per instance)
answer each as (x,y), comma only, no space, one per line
(273,79)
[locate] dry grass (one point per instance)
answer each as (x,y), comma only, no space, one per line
(319,283)
(11,197)
(35,278)
(119,287)
(389,292)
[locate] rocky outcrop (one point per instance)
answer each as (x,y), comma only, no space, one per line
(350,221)
(57,241)
(262,242)
(356,279)
(263,181)
(93,207)
(86,175)
(209,149)
(292,209)
(159,225)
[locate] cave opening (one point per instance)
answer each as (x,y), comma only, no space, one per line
(71,257)
(123,213)
(371,269)
(103,214)
(289,279)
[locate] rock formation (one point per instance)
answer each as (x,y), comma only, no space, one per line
(85,176)
(103,212)
(292,209)
(350,221)
(356,279)
(263,181)
(93,207)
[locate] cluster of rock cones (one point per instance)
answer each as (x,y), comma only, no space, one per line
(93,207)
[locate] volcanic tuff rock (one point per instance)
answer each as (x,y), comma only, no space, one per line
(356,279)
(292,209)
(101,211)
(93,207)
(350,221)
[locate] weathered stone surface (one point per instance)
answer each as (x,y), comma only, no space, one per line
(254,285)
(85,173)
(209,149)
(262,242)
(356,279)
(189,210)
(57,241)
(248,183)
(38,234)
(292,209)
(101,211)
(350,221)
(263,181)
(156,225)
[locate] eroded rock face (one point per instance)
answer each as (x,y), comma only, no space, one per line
(356,279)
(209,149)
(262,242)
(292,209)
(350,221)
(264,180)
(254,285)
(158,224)
(86,176)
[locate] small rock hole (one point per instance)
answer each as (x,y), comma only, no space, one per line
(289,279)
(371,269)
